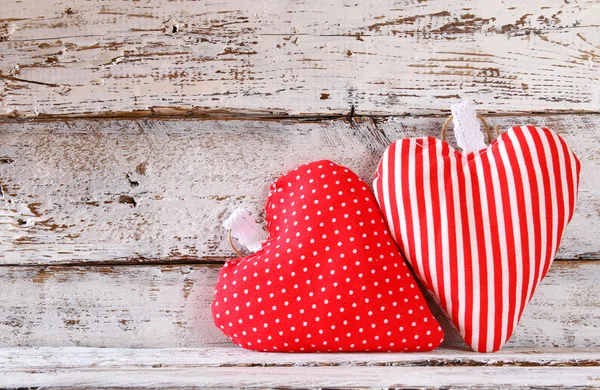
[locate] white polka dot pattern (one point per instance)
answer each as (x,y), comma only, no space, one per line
(329,278)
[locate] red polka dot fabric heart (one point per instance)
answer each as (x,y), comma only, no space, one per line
(480,229)
(329,278)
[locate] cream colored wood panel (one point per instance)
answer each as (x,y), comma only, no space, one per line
(152,306)
(139,190)
(234,367)
(133,191)
(297,57)
(82,358)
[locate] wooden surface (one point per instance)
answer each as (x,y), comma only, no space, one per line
(232,367)
(313,377)
(131,191)
(297,57)
(151,306)
(44,358)
(110,229)
(90,191)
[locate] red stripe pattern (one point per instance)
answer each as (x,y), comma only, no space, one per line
(480,229)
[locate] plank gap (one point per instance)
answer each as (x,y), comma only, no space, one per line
(176,113)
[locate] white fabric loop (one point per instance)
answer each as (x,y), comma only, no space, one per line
(245,229)
(467,129)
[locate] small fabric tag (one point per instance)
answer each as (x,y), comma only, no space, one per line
(245,229)
(467,128)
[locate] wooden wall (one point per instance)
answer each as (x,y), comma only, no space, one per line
(130,130)
(111,230)
(294,57)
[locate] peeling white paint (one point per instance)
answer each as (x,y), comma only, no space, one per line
(280,57)
(169,306)
(581,134)
(314,377)
(196,172)
(16,221)
(74,192)
(81,358)
(84,178)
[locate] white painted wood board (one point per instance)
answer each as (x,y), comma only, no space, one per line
(69,186)
(312,377)
(118,190)
(581,133)
(297,57)
(154,306)
(81,358)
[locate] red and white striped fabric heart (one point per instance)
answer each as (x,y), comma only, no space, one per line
(480,229)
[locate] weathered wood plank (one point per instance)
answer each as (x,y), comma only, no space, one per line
(298,57)
(157,190)
(582,133)
(169,306)
(131,306)
(130,190)
(312,377)
(81,358)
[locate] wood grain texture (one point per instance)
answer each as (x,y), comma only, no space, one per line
(297,57)
(81,358)
(144,306)
(312,377)
(582,134)
(85,191)
(129,191)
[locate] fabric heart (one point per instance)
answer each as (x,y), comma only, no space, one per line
(480,229)
(329,278)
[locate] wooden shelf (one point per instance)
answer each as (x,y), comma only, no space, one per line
(234,367)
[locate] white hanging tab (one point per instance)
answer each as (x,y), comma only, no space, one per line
(467,129)
(245,229)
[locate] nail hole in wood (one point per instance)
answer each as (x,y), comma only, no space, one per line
(127,200)
(132,183)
